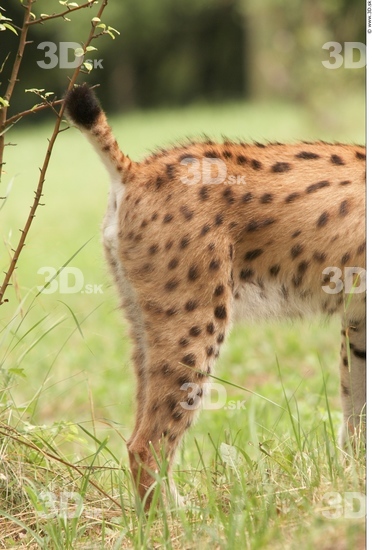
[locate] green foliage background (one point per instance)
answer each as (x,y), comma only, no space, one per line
(172,52)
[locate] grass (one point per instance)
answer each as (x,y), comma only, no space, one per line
(260,472)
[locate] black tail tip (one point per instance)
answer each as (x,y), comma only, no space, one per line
(82,106)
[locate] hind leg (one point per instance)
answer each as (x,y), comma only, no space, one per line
(353,376)
(181,353)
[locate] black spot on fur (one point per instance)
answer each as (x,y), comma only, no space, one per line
(254,225)
(323,219)
(296,250)
(360,156)
(153,249)
(171,285)
(183,342)
(228,196)
(219,290)
(266,198)
(211,328)
(195,331)
(204,193)
(205,229)
(189,360)
(345,182)
(165,369)
(335,159)
(241,159)
(247,197)
(274,270)
(193,273)
(302,267)
(218,219)
(187,213)
(315,186)
(280,167)
(211,154)
(320,257)
(256,164)
(253,254)
(307,155)
(173,263)
(159,182)
(246,274)
(191,305)
(292,197)
(345,258)
(214,264)
(344,209)
(209,351)
(361,354)
(185,241)
(220,312)
(167,218)
(170,168)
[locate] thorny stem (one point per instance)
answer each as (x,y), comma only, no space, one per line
(15,118)
(13,80)
(43,170)
(62,14)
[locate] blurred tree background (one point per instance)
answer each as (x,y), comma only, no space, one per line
(174,52)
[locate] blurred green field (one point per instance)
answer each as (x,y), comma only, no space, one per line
(67,357)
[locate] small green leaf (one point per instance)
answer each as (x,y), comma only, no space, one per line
(95,20)
(91,49)
(79,52)
(112,29)
(35,90)
(88,66)
(4,102)
(9,27)
(17,372)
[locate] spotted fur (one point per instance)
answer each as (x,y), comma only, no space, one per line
(190,258)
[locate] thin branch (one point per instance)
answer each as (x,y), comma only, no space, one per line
(62,14)
(54,457)
(13,77)
(39,189)
(40,107)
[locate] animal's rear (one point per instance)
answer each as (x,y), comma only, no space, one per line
(203,233)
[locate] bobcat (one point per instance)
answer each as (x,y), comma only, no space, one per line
(191,253)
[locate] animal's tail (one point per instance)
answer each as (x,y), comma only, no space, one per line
(84,111)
